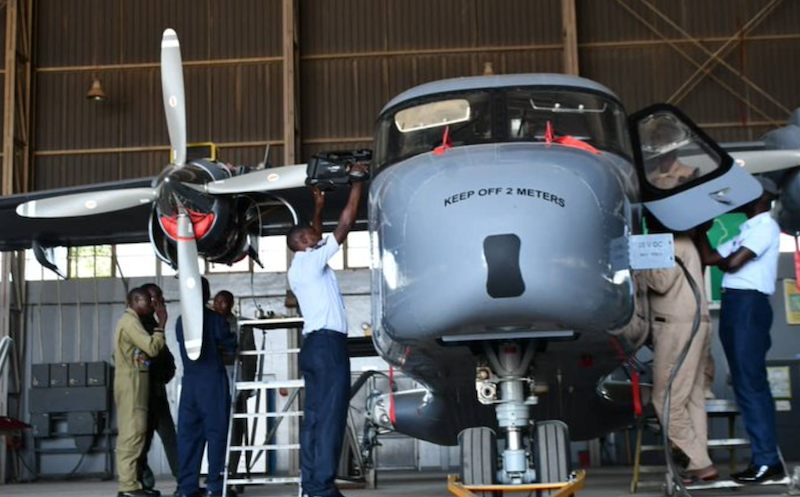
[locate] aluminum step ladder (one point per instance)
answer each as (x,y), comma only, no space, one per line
(715,409)
(251,447)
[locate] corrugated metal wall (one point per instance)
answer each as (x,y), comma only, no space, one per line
(73,321)
(231,53)
(3,13)
(356,54)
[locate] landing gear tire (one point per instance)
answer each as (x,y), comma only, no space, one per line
(478,447)
(551,452)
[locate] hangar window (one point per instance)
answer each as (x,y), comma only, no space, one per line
(272,252)
(165,269)
(135,259)
(337,262)
(91,262)
(787,243)
(36,272)
(243,266)
(358,249)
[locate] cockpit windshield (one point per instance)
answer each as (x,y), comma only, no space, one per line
(534,114)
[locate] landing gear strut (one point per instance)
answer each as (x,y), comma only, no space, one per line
(502,383)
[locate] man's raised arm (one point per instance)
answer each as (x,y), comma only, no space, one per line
(319,204)
(348,217)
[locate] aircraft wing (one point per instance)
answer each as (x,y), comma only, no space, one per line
(131,225)
(302,200)
(125,226)
(757,158)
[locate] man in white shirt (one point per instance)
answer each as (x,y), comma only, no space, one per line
(750,263)
(324,360)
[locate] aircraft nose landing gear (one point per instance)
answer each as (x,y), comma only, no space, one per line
(503,384)
(532,460)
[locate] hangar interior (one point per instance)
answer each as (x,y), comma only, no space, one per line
(83,105)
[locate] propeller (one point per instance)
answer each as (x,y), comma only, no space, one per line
(87,204)
(100,202)
(191,288)
(274,178)
(765,161)
(174,99)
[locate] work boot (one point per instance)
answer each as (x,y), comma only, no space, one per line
(759,474)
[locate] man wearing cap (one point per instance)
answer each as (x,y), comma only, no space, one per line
(750,264)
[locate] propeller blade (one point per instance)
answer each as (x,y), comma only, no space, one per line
(87,204)
(274,178)
(765,161)
(174,99)
(191,288)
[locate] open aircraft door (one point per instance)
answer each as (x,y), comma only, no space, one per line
(686,177)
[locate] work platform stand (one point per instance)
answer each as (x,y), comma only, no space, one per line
(716,409)
(265,419)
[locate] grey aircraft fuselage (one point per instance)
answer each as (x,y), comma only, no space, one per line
(504,236)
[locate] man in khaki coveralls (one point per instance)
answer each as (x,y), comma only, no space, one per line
(672,311)
(133,347)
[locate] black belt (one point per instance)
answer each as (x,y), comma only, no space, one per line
(739,290)
(327,332)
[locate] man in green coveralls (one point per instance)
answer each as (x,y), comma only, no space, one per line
(133,347)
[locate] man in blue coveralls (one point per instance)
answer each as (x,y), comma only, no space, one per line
(205,404)
(324,360)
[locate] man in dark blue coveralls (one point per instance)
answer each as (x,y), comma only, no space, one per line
(324,360)
(205,404)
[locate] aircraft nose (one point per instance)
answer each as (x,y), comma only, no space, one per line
(506,235)
(503,276)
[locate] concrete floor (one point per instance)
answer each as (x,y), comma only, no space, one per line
(605,482)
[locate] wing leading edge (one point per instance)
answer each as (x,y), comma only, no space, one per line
(125,226)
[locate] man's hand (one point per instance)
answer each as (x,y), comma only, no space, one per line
(161,313)
(319,195)
(319,204)
(358,172)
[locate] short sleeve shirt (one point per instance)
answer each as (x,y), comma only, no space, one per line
(317,290)
(761,235)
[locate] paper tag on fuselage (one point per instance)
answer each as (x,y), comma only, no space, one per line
(652,251)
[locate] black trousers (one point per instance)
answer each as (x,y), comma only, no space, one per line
(325,365)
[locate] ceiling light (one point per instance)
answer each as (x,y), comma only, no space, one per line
(96,93)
